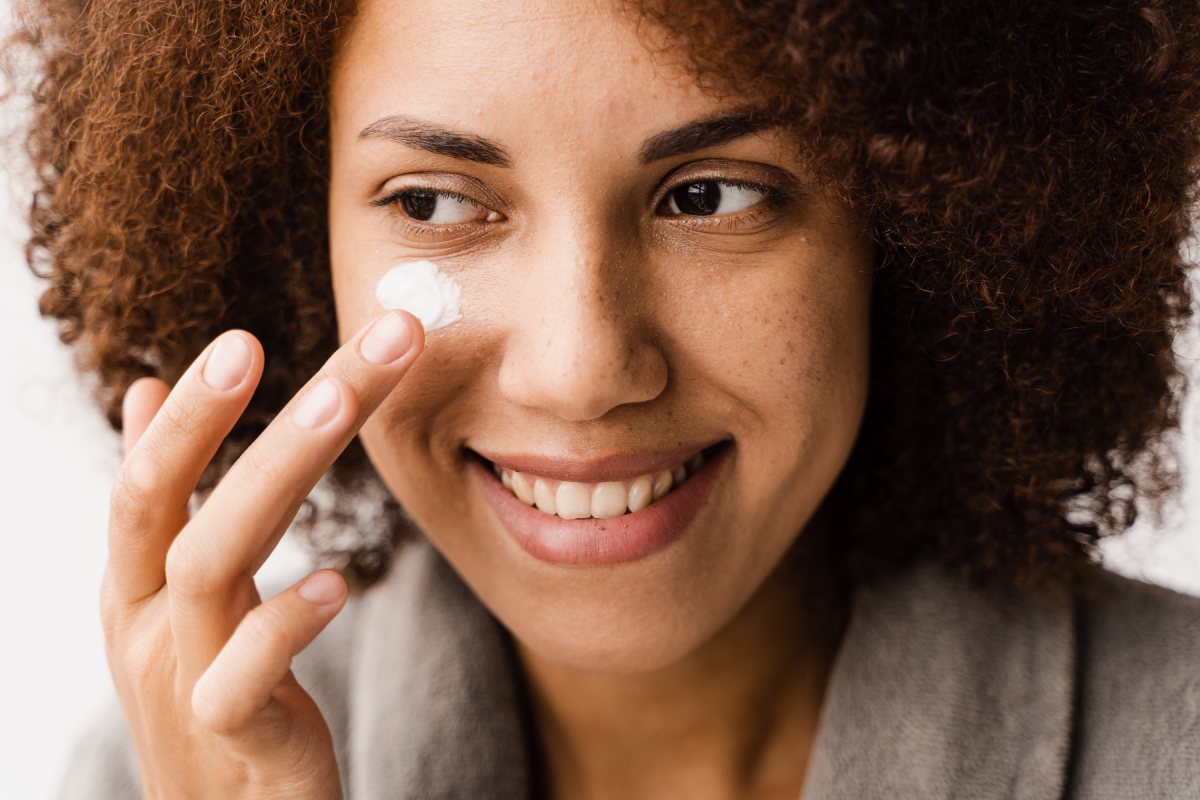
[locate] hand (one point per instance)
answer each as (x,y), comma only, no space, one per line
(201,665)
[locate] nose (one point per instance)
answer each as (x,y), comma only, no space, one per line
(581,342)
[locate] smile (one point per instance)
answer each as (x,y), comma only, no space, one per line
(631,507)
(571,500)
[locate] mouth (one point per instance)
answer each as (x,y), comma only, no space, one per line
(570,523)
(572,499)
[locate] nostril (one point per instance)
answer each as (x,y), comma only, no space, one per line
(578,368)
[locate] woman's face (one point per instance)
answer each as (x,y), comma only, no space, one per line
(636,288)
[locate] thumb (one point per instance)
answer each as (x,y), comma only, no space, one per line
(142,400)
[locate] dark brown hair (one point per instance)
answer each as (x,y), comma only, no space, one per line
(1027,168)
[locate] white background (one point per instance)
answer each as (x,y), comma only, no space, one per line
(59,460)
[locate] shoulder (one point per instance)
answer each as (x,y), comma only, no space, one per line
(1133,629)
(1126,614)
(1138,696)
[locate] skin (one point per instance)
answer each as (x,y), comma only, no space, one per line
(597,321)
(202,666)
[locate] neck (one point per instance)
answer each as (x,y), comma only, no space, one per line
(735,718)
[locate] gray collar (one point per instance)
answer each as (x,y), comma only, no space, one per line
(939,690)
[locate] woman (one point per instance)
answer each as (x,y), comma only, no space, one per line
(806,352)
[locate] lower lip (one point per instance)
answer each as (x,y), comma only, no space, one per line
(600,542)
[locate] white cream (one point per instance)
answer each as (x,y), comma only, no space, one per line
(422,290)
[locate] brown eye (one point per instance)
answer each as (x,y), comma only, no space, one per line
(419,205)
(437,207)
(709,198)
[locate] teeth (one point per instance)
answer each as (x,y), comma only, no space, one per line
(544,497)
(571,500)
(608,500)
(640,493)
(520,487)
(662,483)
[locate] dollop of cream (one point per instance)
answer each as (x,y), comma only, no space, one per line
(422,290)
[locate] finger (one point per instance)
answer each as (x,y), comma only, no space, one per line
(142,400)
(149,500)
(243,519)
(239,683)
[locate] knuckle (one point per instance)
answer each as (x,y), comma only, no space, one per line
(131,499)
(147,473)
(267,626)
(274,723)
(142,659)
(187,571)
(136,669)
(181,415)
(260,469)
(211,706)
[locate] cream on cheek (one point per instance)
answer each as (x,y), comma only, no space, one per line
(424,291)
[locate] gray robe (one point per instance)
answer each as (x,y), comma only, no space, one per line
(939,690)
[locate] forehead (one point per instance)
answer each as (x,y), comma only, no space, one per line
(559,68)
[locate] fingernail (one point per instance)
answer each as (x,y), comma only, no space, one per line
(228,362)
(389,339)
(318,406)
(321,588)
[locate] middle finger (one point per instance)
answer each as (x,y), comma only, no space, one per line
(244,517)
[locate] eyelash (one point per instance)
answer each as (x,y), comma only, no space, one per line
(415,228)
(774,198)
(394,198)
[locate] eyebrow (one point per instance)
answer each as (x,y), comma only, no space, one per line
(702,133)
(423,135)
(696,135)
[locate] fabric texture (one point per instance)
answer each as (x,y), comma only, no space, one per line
(938,690)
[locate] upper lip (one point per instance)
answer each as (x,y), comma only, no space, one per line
(614,467)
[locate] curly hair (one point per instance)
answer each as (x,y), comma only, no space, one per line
(1028,170)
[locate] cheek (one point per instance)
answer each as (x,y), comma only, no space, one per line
(352,278)
(789,351)
(434,398)
(790,345)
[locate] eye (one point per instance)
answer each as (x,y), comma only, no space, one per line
(437,207)
(714,198)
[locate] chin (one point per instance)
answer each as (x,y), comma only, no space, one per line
(619,649)
(636,625)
